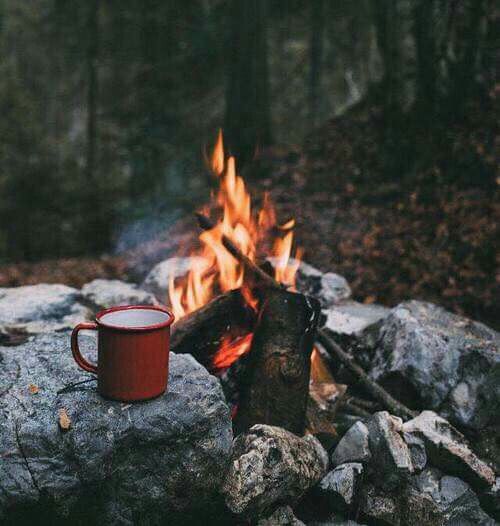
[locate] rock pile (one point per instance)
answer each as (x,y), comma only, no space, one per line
(432,359)
(418,472)
(66,455)
(48,308)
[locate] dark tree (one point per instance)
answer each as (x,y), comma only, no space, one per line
(316,57)
(96,230)
(92,85)
(427,59)
(247,120)
(388,32)
(470,25)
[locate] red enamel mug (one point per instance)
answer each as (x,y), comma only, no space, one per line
(133,345)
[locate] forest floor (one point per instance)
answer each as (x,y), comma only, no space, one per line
(430,235)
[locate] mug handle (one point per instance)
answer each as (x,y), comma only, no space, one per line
(75,349)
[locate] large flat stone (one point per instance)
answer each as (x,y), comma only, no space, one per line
(433,359)
(42,308)
(448,449)
(117,463)
(105,293)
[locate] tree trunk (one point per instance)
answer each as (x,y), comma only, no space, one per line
(94,233)
(248,122)
(466,68)
(92,86)
(427,66)
(316,57)
(389,19)
(387,37)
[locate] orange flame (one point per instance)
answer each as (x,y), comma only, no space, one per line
(217,270)
(217,163)
(230,350)
(319,370)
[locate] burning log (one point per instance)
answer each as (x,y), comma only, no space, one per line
(275,390)
(201,332)
(207,224)
(378,392)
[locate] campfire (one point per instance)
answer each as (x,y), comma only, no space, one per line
(224,312)
(239,314)
(214,270)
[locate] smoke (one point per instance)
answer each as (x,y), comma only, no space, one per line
(178,190)
(152,224)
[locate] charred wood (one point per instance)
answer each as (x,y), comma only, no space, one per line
(200,333)
(275,390)
(379,393)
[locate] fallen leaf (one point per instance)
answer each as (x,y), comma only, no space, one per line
(33,389)
(64,420)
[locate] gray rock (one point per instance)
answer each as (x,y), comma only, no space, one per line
(117,463)
(329,288)
(417,451)
(490,500)
(348,320)
(40,308)
(353,447)
(434,499)
(433,359)
(344,422)
(377,506)
(270,466)
(282,516)
(339,487)
(105,293)
(448,449)
(391,458)
(159,277)
(487,445)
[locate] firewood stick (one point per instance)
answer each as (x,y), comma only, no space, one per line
(348,407)
(365,404)
(207,224)
(378,392)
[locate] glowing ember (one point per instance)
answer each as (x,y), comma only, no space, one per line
(230,350)
(320,374)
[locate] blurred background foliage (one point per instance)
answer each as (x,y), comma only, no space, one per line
(106,105)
